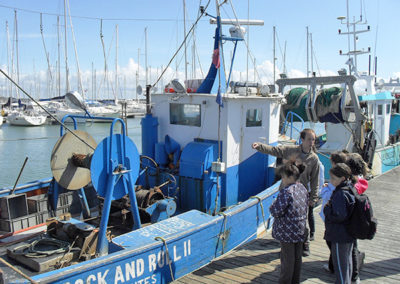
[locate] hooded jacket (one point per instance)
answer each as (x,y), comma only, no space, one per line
(290,213)
(337,213)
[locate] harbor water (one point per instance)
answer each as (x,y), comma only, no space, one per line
(36,143)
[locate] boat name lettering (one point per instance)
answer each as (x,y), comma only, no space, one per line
(145,266)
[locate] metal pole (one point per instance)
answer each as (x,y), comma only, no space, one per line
(19,175)
(274,56)
(148,99)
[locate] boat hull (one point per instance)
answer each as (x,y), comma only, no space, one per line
(192,239)
(23,120)
(386,158)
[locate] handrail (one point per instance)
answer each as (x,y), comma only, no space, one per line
(285,124)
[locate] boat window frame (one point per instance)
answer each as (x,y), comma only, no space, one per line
(186,114)
(256,119)
(380,109)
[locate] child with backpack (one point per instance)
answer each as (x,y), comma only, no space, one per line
(326,192)
(290,213)
(358,170)
(337,212)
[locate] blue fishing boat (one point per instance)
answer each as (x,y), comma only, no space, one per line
(112,215)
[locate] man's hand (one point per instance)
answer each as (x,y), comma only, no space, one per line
(255,145)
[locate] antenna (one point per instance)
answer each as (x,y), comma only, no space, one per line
(352,31)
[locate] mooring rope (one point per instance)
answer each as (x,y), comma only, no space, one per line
(223,236)
(262,210)
(18,271)
(167,254)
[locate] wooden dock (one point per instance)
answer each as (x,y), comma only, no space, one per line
(258,261)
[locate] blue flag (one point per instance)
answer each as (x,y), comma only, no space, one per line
(219,98)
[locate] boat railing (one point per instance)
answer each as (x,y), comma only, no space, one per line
(289,122)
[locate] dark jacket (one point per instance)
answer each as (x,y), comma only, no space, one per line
(337,213)
(290,213)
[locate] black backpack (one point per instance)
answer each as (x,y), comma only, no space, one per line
(362,223)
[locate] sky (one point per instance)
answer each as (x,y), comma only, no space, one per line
(122,24)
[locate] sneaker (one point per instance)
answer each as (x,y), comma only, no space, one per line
(327,269)
(311,237)
(306,253)
(357,281)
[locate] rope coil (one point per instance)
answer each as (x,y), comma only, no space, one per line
(33,250)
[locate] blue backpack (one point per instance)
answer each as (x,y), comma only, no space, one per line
(362,223)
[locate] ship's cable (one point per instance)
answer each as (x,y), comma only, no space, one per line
(45,110)
(182,44)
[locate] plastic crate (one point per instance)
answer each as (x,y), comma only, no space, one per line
(13,206)
(65,199)
(37,203)
(18,223)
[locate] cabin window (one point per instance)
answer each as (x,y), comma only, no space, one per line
(253,118)
(387,108)
(185,114)
(379,109)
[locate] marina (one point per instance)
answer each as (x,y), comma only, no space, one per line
(182,186)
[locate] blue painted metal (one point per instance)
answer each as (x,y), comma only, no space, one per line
(115,164)
(82,195)
(149,135)
(196,159)
(161,156)
(394,124)
(193,239)
(390,157)
(230,70)
(196,180)
(247,179)
(161,210)
(172,147)
(377,97)
(289,122)
(326,162)
(26,187)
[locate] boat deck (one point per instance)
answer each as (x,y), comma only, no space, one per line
(258,261)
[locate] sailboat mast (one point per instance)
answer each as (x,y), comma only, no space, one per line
(311,54)
(137,73)
(47,58)
(116,64)
(248,42)
(66,50)
(308,52)
(59,57)
(273,53)
(184,35)
(8,59)
(145,57)
(16,48)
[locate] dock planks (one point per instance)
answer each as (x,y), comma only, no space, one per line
(258,261)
